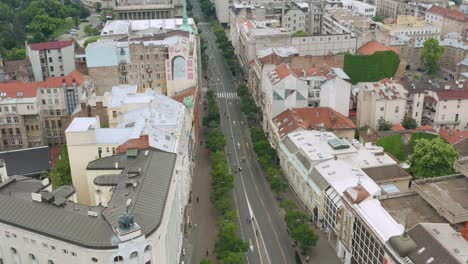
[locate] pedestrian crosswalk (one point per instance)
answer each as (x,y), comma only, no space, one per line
(227,95)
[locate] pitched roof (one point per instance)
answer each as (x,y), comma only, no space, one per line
(311,118)
(316,71)
(453,136)
(453,94)
(29,89)
(280,72)
(50,45)
(373,46)
(452,14)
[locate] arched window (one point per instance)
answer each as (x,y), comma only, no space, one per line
(118,258)
(50,262)
(179,68)
(94,260)
(134,255)
(13,251)
(32,257)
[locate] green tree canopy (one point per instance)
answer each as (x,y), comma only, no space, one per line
(61,173)
(431,54)
(300,33)
(215,140)
(432,158)
(384,125)
(45,24)
(408,122)
(378,19)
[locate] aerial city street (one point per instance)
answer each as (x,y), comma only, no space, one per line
(232,132)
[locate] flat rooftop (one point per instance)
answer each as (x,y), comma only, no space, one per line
(412,210)
(449,195)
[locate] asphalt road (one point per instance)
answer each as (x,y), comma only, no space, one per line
(253,198)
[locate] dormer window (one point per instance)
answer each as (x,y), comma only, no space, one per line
(19,94)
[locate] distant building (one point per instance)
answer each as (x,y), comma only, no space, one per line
(394,8)
(145,9)
(365,9)
(458,139)
(448,20)
(385,100)
(51,59)
(161,55)
(36,113)
(19,70)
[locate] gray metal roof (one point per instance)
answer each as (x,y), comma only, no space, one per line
(71,222)
(28,161)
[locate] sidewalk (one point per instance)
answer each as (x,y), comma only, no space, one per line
(202,234)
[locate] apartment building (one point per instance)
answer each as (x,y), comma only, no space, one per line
(50,59)
(295,18)
(135,120)
(345,21)
(37,113)
(455,52)
(385,100)
(394,8)
(448,20)
(440,104)
(148,9)
(407,28)
(165,60)
(330,176)
(364,9)
(35,220)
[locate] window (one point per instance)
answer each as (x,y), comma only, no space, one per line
(13,108)
(1,120)
(51,112)
(445,107)
(65,251)
(118,258)
(53,247)
(73,254)
(5,142)
(13,251)
(45,245)
(3,131)
(56,101)
(94,260)
(18,131)
(12,141)
(397,109)
(20,142)
(416,114)
(59,123)
(49,101)
(107,149)
(6,109)
(381,109)
(114,114)
(32,257)
(50,262)
(134,255)
(10,131)
(147,248)
(43,101)
(42,91)
(7,234)
(51,68)
(15,119)
(57,112)
(50,59)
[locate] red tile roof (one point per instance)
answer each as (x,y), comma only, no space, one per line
(449,13)
(453,136)
(397,127)
(309,72)
(311,118)
(373,46)
(453,94)
(29,89)
(281,71)
(50,45)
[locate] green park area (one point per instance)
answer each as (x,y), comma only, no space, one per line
(401,146)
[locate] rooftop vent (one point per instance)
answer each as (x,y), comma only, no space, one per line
(337,144)
(92,213)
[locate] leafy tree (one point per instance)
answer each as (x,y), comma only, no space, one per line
(45,24)
(90,40)
(228,240)
(431,54)
(206,261)
(305,236)
(61,173)
(432,158)
(300,33)
(91,31)
(233,258)
(384,125)
(408,122)
(378,19)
